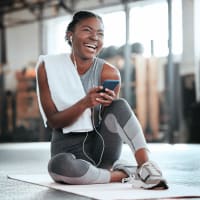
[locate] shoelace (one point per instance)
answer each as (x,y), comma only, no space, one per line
(129,179)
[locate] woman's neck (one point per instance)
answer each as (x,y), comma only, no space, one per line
(82,65)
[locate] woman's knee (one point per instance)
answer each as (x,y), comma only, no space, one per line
(65,168)
(118,112)
(119,106)
(119,102)
(66,165)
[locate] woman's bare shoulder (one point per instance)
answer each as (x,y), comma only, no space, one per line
(110,72)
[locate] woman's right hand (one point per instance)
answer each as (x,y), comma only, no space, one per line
(92,97)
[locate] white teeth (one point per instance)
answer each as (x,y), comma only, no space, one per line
(91,46)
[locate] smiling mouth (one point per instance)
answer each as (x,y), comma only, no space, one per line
(91,46)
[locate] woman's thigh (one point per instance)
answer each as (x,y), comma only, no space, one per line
(107,147)
(114,118)
(75,143)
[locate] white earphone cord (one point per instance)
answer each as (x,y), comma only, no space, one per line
(100,159)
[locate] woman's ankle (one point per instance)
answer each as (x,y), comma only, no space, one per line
(141,156)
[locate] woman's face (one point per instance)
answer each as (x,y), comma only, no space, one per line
(87,39)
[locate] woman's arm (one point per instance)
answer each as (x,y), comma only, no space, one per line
(60,119)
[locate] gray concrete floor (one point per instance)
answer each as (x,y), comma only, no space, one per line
(180,164)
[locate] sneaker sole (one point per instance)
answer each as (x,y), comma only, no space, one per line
(160,186)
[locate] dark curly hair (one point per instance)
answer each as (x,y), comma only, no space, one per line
(78,17)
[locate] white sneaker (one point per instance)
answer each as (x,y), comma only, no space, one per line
(147,176)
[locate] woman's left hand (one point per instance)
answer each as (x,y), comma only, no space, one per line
(106,97)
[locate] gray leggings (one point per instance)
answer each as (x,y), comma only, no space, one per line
(74,156)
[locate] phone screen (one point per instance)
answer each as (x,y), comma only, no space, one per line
(110,84)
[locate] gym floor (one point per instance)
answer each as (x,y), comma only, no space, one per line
(180,164)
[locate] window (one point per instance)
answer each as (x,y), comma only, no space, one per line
(115,30)
(148,22)
(56,29)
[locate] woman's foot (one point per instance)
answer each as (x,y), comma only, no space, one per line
(118,176)
(148,176)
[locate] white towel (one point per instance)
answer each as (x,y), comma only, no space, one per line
(66,89)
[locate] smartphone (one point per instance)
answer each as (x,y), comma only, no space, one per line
(110,84)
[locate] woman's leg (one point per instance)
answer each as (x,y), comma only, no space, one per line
(120,124)
(119,119)
(68,163)
(66,168)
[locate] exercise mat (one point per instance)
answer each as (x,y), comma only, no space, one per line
(111,191)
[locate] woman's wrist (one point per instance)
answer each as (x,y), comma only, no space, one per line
(83,104)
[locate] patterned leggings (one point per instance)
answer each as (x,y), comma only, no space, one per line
(86,158)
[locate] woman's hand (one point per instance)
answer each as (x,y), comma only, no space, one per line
(106,97)
(91,98)
(95,97)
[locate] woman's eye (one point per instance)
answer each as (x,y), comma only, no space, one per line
(101,34)
(87,30)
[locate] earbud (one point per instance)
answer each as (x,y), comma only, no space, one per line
(70,38)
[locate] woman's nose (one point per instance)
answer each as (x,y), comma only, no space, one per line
(95,36)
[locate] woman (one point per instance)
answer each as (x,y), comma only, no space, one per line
(88,125)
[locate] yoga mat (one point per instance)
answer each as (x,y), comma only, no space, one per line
(111,191)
